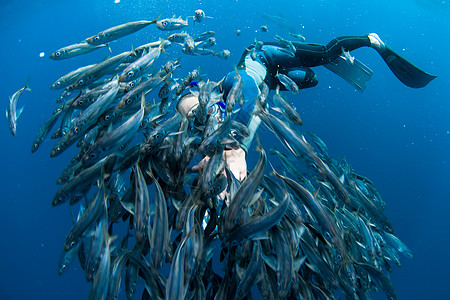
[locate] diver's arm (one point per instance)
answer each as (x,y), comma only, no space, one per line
(235,159)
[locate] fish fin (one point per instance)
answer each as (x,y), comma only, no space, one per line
(27,83)
(277,109)
(317,192)
(155,19)
(161,46)
(342,178)
(109,48)
(20,111)
(7,114)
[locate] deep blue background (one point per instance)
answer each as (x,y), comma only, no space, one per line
(397,136)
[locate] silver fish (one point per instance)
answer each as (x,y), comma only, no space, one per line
(43,131)
(285,108)
(142,206)
(245,191)
(12,114)
(140,66)
(171,24)
(178,37)
(298,36)
(115,139)
(99,288)
(208,43)
(288,83)
(119,31)
(88,218)
(224,54)
(98,71)
(75,50)
(204,36)
(70,78)
(159,232)
(199,15)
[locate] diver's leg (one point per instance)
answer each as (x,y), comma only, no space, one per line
(313,55)
(404,70)
(304,78)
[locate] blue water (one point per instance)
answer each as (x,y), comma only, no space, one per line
(397,136)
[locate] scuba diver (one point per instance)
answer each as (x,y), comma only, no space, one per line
(263,62)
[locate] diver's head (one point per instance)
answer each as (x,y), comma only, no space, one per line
(186,104)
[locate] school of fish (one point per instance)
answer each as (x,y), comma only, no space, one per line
(311,229)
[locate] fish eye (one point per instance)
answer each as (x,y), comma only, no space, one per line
(130,74)
(80,102)
(314,166)
(107,118)
(75,129)
(80,82)
(164,23)
(93,155)
(128,101)
(72,244)
(131,84)
(96,38)
(327,235)
(58,53)
(58,83)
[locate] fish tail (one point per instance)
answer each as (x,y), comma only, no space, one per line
(259,147)
(272,150)
(155,19)
(26,86)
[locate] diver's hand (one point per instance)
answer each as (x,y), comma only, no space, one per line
(235,160)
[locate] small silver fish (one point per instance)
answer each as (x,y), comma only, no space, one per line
(171,24)
(288,83)
(199,15)
(224,54)
(75,50)
(178,37)
(11,113)
(348,57)
(118,31)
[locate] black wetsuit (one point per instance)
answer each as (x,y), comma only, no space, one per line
(263,65)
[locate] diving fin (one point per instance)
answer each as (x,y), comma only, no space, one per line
(355,73)
(405,71)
